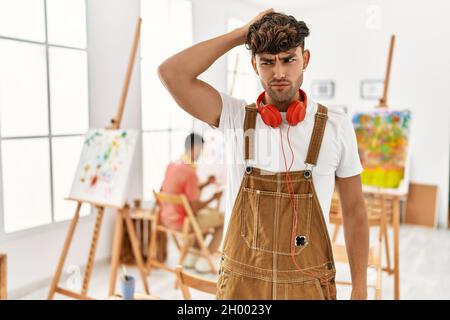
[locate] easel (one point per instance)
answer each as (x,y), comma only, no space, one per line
(382,103)
(122,215)
(395,199)
(390,202)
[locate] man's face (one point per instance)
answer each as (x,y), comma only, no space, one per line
(281,74)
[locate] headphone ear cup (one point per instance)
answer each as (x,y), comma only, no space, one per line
(271,116)
(296,113)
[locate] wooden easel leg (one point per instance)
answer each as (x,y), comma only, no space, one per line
(335,233)
(3,277)
(90,263)
(396,223)
(379,265)
(115,258)
(64,252)
(152,244)
(388,252)
(136,251)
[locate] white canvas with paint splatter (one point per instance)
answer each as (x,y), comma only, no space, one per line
(104,167)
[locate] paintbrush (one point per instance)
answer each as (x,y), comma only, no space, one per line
(124,272)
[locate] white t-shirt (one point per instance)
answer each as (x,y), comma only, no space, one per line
(338,155)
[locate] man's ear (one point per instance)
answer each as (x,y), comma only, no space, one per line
(254,65)
(306,57)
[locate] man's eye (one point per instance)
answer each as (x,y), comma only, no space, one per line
(266,63)
(289,60)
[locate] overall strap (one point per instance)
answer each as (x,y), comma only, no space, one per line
(249,131)
(317,135)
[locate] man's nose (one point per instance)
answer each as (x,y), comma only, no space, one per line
(279,72)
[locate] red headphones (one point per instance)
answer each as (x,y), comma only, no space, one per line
(295,113)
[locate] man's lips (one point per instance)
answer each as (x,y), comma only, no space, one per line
(280,85)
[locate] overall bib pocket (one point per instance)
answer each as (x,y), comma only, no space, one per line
(268,221)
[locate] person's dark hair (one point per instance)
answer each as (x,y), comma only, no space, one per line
(274,33)
(192,140)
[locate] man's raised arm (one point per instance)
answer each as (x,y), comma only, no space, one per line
(180,72)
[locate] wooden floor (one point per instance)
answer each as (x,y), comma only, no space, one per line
(424,271)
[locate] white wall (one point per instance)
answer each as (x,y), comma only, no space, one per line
(33,254)
(344,50)
(210,19)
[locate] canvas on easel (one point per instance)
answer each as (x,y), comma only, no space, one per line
(104,167)
(383,146)
(101,180)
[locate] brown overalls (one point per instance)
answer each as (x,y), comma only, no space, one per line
(256,261)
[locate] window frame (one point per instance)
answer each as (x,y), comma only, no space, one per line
(170,128)
(54,224)
(230,72)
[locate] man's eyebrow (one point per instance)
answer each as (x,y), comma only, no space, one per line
(267,59)
(292,55)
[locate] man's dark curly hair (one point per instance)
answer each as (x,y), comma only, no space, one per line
(276,32)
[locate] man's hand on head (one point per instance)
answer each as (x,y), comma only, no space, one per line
(244,28)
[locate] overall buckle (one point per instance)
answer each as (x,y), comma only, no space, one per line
(308,170)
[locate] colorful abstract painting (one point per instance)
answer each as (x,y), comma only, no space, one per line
(383,137)
(104,167)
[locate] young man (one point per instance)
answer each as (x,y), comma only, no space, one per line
(181,178)
(286,154)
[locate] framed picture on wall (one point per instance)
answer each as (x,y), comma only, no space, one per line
(322,89)
(371,89)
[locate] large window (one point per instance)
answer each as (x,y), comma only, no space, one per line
(43,108)
(241,79)
(164,124)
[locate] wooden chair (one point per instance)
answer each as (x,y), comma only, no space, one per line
(186,281)
(376,206)
(340,255)
(190,231)
(378,216)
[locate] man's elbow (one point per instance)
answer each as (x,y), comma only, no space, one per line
(165,73)
(174,79)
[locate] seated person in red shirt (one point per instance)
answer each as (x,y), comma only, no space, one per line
(181,178)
